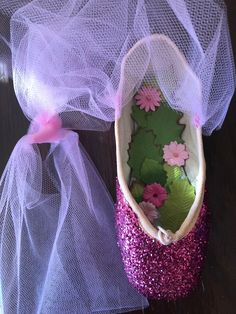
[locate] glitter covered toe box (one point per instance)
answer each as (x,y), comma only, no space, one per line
(155,270)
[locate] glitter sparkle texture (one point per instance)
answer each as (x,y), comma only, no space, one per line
(155,270)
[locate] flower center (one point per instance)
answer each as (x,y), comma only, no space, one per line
(155,195)
(176,155)
(148,98)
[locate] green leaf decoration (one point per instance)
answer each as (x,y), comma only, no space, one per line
(141,147)
(137,191)
(164,122)
(139,116)
(152,171)
(151,82)
(173,173)
(177,206)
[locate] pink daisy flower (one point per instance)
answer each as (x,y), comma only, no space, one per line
(150,211)
(175,154)
(155,194)
(148,98)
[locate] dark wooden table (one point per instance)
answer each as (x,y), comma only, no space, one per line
(217,291)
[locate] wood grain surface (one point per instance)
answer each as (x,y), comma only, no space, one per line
(216,293)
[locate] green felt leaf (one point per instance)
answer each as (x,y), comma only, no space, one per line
(164,123)
(137,191)
(152,171)
(151,82)
(141,147)
(140,116)
(178,204)
(173,173)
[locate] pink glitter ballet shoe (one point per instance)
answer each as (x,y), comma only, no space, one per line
(159,263)
(156,270)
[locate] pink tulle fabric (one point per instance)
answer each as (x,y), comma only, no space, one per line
(75,64)
(46,129)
